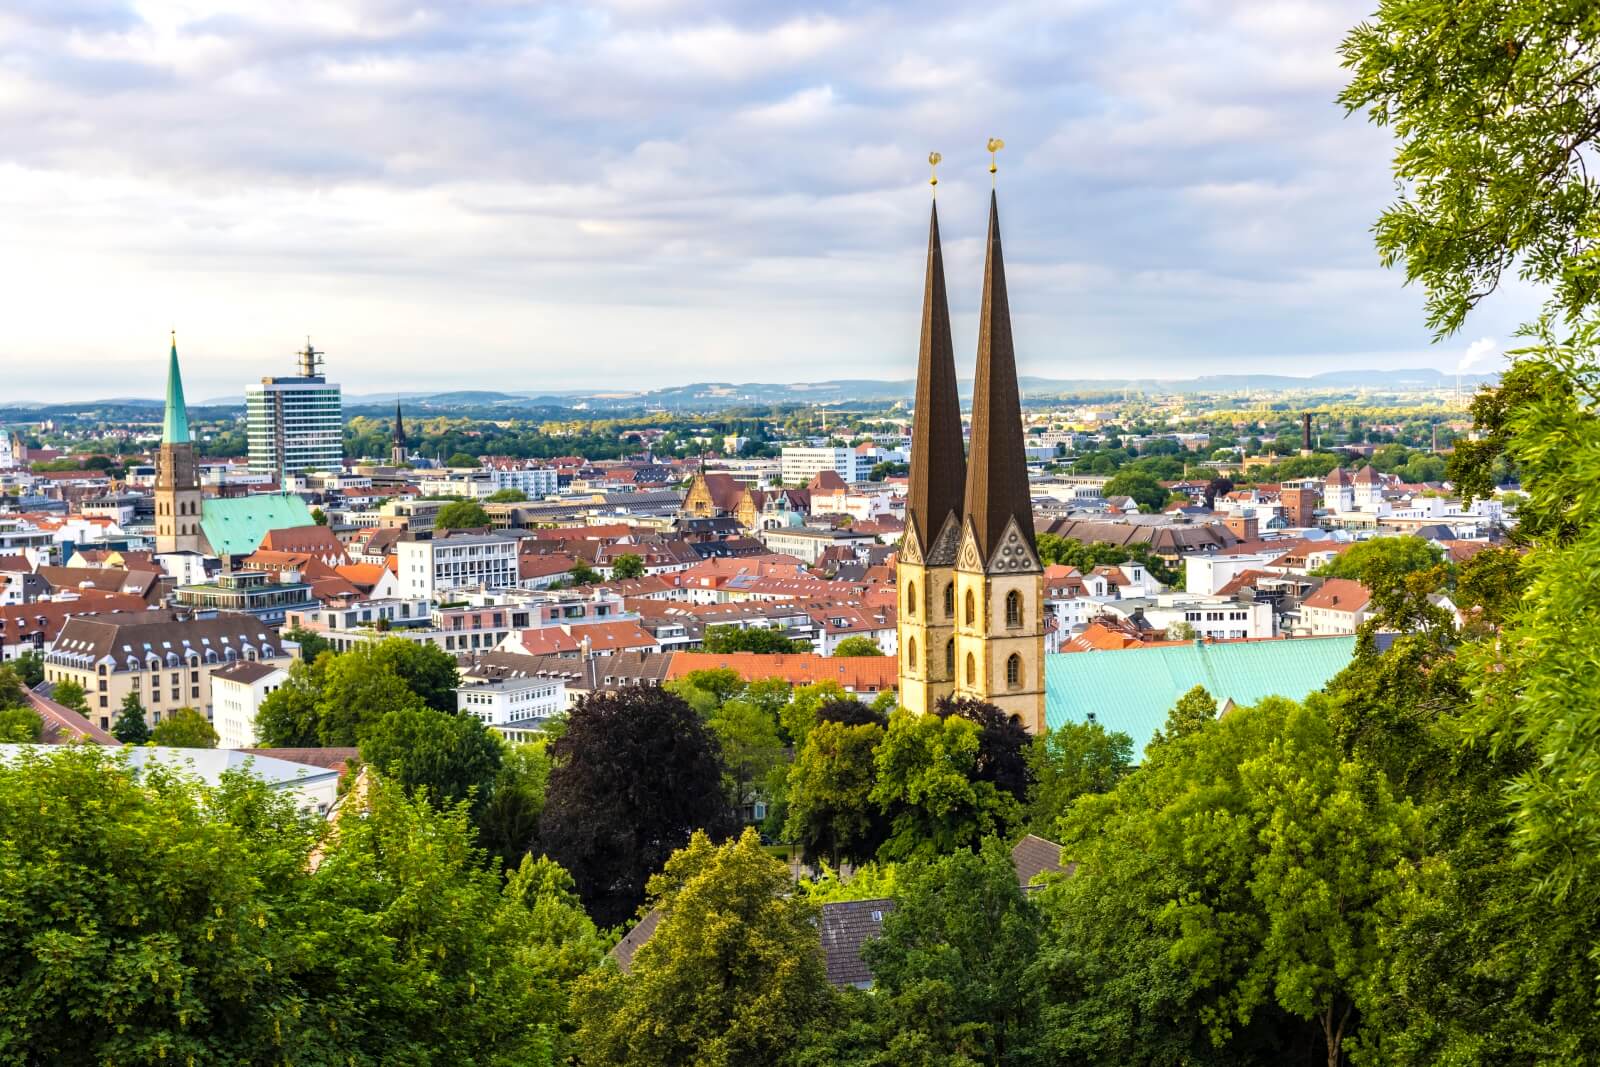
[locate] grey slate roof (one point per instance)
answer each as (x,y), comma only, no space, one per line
(845,928)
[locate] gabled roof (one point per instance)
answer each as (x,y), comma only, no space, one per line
(856,673)
(826,481)
(1033,857)
(311,538)
(1339,594)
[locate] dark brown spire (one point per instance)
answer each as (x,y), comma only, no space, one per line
(938,464)
(399,428)
(997,488)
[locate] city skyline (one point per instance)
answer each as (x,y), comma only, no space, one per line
(652,193)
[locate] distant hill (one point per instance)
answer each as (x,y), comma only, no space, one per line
(708,396)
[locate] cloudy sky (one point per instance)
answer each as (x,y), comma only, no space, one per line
(524,194)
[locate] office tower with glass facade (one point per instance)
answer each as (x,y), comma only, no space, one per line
(295,424)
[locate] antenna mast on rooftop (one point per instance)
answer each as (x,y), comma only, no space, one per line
(310,361)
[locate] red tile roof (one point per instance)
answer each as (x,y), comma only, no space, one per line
(869,674)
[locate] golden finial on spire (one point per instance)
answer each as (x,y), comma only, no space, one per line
(995,144)
(933,166)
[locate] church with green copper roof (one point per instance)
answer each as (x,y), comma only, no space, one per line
(187,520)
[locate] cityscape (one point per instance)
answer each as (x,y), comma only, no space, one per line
(1013,696)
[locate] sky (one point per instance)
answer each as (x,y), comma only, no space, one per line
(501,194)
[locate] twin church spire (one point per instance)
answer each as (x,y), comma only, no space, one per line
(989,487)
(971,622)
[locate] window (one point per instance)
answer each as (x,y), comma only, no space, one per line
(1013,608)
(911,654)
(972,667)
(1014,671)
(950,600)
(950,658)
(972,608)
(911,599)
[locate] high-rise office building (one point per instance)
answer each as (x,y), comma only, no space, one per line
(295,424)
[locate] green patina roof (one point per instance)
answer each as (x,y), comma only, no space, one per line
(1132,690)
(175,427)
(236,525)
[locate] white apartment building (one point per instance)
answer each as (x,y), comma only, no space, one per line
(1212,618)
(459,561)
(236,696)
(505,701)
(801,464)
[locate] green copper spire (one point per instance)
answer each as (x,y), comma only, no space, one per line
(175,427)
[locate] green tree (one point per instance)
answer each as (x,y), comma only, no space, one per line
(805,706)
(628,565)
(12,692)
(1382,559)
(732,975)
(461,515)
(1493,105)
(211,933)
(927,784)
(20,724)
(1070,761)
(453,757)
(131,727)
(508,822)
(311,644)
(1193,712)
(461,459)
(730,638)
(612,839)
(373,678)
(506,496)
(184,728)
(582,574)
(857,646)
(747,737)
(831,812)
(1229,898)
(69,693)
(319,517)
(1145,489)
(288,716)
(30,668)
(951,969)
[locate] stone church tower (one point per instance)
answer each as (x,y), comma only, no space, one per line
(993,649)
(177,490)
(925,574)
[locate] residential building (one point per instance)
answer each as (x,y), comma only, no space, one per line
(800,464)
(808,543)
(513,705)
(237,691)
(1337,608)
(164,661)
(295,424)
(579,677)
(450,562)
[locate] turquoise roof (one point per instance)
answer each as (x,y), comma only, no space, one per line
(1132,690)
(236,525)
(175,427)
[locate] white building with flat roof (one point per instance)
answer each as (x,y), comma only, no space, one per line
(802,463)
(237,692)
(460,561)
(295,424)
